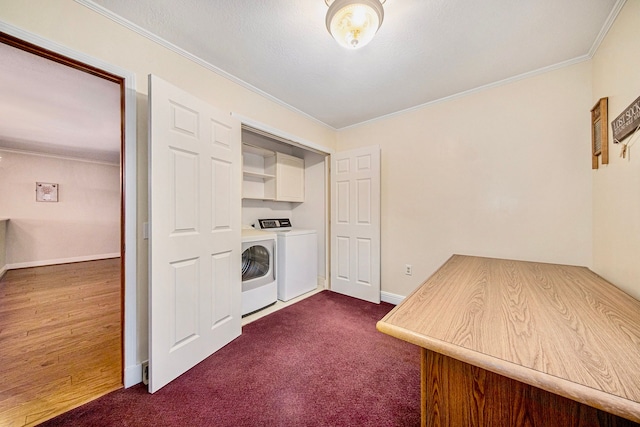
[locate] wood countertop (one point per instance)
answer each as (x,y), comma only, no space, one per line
(560,328)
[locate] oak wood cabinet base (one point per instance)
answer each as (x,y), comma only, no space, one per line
(455,393)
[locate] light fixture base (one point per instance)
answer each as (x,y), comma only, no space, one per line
(329,2)
(353,23)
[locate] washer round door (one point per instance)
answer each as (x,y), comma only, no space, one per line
(256,262)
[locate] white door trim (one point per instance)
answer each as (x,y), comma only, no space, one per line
(132,365)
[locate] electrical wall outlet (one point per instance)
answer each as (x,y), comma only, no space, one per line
(408,269)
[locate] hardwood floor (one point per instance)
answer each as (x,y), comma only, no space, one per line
(60,338)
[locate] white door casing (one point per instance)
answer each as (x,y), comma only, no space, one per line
(195,242)
(355,223)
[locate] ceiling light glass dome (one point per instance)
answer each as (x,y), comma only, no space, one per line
(353,23)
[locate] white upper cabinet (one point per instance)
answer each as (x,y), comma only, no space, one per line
(289,178)
(258,173)
(269,175)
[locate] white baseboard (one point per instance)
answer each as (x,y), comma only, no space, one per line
(3,270)
(391,298)
(61,261)
(132,375)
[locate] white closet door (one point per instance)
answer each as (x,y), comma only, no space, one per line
(195,203)
(355,223)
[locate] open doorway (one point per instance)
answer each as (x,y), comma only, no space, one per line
(62,245)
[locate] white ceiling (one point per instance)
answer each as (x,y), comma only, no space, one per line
(425,51)
(47,107)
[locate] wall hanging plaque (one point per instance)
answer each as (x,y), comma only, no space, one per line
(627,122)
(46,192)
(599,134)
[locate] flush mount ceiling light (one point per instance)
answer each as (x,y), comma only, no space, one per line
(353,23)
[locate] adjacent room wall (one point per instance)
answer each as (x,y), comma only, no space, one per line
(504,172)
(616,186)
(85,222)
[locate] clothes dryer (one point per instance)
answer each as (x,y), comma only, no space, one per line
(259,285)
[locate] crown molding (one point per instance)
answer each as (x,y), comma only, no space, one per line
(606,27)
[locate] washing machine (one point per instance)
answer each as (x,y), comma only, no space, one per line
(259,285)
(297,257)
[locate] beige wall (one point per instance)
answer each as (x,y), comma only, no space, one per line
(616,186)
(83,224)
(504,172)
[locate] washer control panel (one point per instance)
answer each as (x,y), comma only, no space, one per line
(272,224)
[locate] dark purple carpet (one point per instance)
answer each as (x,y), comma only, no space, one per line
(320,362)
